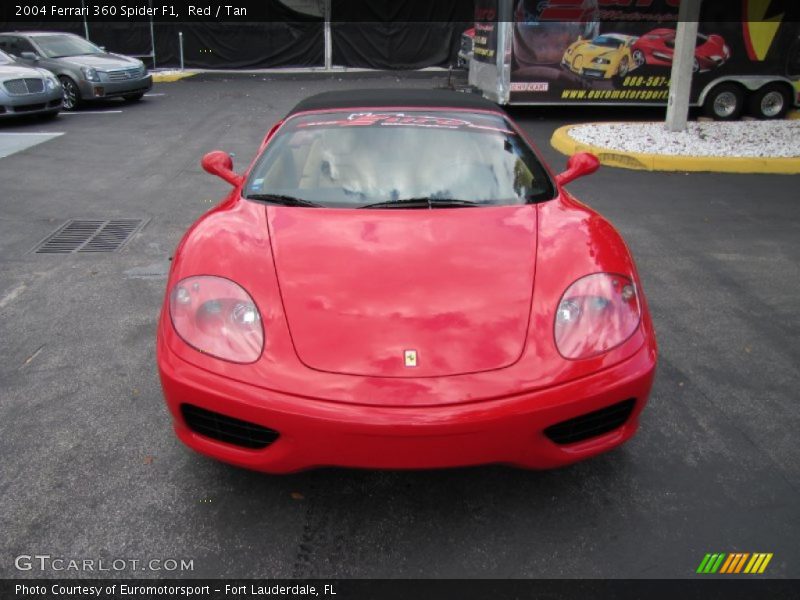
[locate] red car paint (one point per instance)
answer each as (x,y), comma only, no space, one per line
(343,292)
(657,48)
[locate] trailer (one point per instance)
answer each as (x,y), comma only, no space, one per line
(619,52)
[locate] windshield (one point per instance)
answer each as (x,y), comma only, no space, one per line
(5,59)
(608,42)
(354,159)
(56,46)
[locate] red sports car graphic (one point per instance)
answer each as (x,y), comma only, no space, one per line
(658,47)
(398,281)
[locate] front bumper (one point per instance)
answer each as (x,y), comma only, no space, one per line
(315,433)
(597,71)
(30,104)
(91,90)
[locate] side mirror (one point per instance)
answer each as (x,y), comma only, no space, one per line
(578,165)
(29,55)
(220,163)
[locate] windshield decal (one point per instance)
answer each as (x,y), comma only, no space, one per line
(395,119)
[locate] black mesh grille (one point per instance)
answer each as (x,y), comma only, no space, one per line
(591,424)
(19,87)
(227,429)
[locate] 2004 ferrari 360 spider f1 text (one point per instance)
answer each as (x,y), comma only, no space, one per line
(397,281)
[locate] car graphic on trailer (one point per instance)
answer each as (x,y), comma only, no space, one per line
(657,48)
(602,57)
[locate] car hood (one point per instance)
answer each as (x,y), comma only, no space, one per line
(102,62)
(592,51)
(15,72)
(362,288)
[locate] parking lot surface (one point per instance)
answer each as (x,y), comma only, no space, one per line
(91,468)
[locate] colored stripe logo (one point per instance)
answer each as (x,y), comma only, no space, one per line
(737,562)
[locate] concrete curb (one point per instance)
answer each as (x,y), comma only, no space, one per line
(565,144)
(170,77)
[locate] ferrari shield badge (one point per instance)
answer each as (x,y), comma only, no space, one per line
(411,358)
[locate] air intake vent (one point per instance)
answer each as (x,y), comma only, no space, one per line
(591,424)
(93,235)
(227,429)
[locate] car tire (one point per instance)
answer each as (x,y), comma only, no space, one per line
(624,68)
(133,97)
(725,102)
(770,102)
(71,93)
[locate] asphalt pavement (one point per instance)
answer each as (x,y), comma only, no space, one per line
(91,469)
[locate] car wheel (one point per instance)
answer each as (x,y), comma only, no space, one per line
(133,97)
(638,58)
(725,102)
(624,67)
(770,102)
(72,95)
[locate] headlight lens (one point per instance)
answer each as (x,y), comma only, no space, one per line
(50,83)
(596,313)
(90,73)
(217,317)
(601,61)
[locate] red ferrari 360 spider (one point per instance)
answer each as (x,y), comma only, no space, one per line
(397,281)
(658,47)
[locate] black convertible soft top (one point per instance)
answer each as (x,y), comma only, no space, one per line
(393,98)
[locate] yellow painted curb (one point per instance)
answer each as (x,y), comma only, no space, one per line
(170,77)
(565,144)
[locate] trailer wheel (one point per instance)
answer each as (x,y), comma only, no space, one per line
(770,102)
(725,102)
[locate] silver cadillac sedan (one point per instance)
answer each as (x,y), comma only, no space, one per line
(87,72)
(27,91)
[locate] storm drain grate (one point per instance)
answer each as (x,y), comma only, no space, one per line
(90,235)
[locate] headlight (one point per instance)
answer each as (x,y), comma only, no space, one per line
(216,316)
(596,313)
(50,83)
(90,73)
(601,61)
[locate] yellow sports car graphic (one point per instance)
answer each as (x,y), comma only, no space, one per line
(602,57)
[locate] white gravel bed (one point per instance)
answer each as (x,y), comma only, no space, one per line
(750,139)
